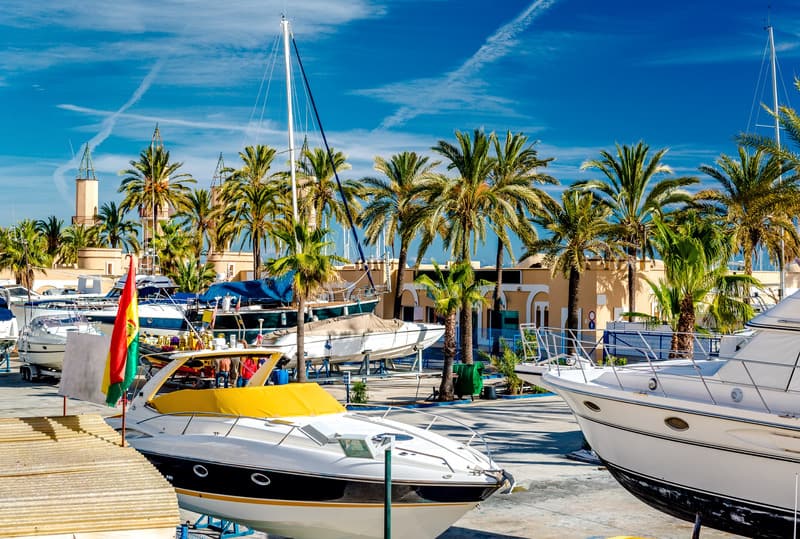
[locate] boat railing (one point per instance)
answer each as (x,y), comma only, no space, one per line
(654,361)
(431,420)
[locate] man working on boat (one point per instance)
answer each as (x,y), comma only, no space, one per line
(223,370)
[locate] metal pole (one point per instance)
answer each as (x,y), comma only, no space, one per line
(387,491)
(777,144)
(287,59)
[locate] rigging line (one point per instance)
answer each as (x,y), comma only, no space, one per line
(274,56)
(333,165)
(269,68)
(755,107)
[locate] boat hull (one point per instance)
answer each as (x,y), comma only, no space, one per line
(45,355)
(748,490)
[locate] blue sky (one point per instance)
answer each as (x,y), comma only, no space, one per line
(388,76)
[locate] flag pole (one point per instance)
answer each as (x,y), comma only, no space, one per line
(124,406)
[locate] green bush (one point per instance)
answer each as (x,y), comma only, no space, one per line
(505,365)
(358,394)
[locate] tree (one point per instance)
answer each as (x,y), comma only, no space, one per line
(631,188)
(154,182)
(465,204)
(114,230)
(695,252)
(514,177)
(395,206)
(321,197)
(172,246)
(755,203)
(576,227)
(199,215)
(23,249)
(312,268)
(50,229)
(192,276)
(449,291)
(73,239)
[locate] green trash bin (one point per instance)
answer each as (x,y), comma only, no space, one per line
(470,379)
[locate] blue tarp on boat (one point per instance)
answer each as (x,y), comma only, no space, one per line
(5,312)
(271,289)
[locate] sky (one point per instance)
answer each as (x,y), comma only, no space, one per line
(575,76)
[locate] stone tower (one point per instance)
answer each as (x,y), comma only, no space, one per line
(86,189)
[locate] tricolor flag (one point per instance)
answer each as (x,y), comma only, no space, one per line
(123,356)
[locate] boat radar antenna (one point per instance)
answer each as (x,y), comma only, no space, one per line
(362,258)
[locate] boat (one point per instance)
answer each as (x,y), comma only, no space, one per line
(356,336)
(43,340)
(291,460)
(9,330)
(715,441)
(247,309)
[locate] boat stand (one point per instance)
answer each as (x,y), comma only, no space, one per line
(226,528)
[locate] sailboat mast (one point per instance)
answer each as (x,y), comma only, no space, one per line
(777,140)
(287,59)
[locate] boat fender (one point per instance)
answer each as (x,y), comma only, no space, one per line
(652,384)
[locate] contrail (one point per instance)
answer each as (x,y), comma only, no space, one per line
(107,127)
(496,46)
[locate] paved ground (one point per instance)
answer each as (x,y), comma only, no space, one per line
(555,497)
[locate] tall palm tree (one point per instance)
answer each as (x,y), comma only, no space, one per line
(73,239)
(515,176)
(154,182)
(116,231)
(447,291)
(312,268)
(251,199)
(755,203)
(199,215)
(695,252)
(50,228)
(321,199)
(633,188)
(466,204)
(394,205)
(575,227)
(22,250)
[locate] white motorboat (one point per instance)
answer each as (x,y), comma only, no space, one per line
(290,460)
(715,439)
(9,330)
(352,337)
(43,340)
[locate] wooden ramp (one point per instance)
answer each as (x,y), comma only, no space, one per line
(68,477)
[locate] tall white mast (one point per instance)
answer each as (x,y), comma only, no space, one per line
(287,59)
(777,142)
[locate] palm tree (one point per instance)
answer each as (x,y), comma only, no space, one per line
(576,227)
(252,200)
(631,188)
(199,215)
(114,230)
(695,252)
(50,229)
(312,268)
(192,276)
(172,246)
(789,122)
(395,206)
(466,204)
(73,239)
(321,200)
(514,176)
(23,249)
(154,182)
(448,292)
(755,203)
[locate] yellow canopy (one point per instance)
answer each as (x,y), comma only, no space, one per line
(264,401)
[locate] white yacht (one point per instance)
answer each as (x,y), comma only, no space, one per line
(290,460)
(714,441)
(43,341)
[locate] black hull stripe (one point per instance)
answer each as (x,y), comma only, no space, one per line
(723,513)
(257,483)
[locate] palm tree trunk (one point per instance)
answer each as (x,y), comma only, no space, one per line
(398,284)
(495,322)
(256,256)
(466,330)
(301,336)
(446,390)
(686,320)
(632,258)
(573,288)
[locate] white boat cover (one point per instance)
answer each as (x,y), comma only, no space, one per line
(353,324)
